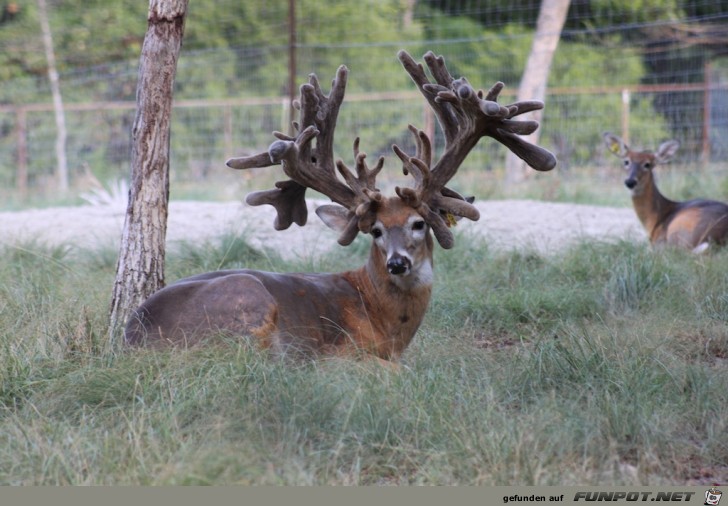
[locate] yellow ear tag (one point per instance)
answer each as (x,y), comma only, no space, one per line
(614,147)
(450,220)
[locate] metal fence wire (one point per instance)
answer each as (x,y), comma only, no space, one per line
(672,84)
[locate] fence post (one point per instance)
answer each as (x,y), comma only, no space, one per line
(287,111)
(707,79)
(625,114)
(228,131)
(291,65)
(21,126)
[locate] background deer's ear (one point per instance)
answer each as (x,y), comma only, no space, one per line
(615,144)
(335,217)
(667,150)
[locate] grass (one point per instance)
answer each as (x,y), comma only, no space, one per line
(606,365)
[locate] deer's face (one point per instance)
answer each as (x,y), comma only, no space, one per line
(639,167)
(639,164)
(403,239)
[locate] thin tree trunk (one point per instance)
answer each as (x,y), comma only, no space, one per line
(62,164)
(22,149)
(409,13)
(140,269)
(291,65)
(550,22)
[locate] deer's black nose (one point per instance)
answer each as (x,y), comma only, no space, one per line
(630,183)
(398,265)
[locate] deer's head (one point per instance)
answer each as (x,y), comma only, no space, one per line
(639,164)
(400,224)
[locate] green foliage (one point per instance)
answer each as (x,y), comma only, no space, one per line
(635,11)
(581,65)
(239,50)
(482,54)
(494,12)
(98,31)
(22,55)
(327,35)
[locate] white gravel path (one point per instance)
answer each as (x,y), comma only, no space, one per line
(505,224)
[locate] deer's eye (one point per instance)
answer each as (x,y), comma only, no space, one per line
(377,232)
(418,225)
(647,165)
(626,163)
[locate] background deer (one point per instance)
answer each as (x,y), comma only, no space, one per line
(377,308)
(694,224)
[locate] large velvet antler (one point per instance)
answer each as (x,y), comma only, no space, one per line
(308,166)
(465,116)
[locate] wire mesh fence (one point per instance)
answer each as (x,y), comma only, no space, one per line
(647,80)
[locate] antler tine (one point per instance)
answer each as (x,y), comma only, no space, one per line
(362,217)
(417,165)
(465,116)
(423,146)
(309,164)
(283,199)
(445,115)
(509,130)
(440,206)
(288,198)
(437,67)
(322,111)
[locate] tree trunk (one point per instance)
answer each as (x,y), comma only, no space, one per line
(409,13)
(551,20)
(62,164)
(140,269)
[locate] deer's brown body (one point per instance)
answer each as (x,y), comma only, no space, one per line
(368,309)
(377,308)
(694,224)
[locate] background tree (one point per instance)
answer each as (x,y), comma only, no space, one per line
(61,163)
(140,269)
(551,19)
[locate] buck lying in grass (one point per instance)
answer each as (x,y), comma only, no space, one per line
(377,308)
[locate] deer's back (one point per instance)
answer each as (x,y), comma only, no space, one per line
(695,222)
(279,310)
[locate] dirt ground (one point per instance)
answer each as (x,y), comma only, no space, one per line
(505,224)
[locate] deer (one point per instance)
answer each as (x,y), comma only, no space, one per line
(694,224)
(373,311)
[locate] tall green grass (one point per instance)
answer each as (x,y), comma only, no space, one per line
(606,364)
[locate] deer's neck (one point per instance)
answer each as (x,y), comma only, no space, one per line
(653,209)
(394,307)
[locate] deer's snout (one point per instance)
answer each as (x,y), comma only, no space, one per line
(630,183)
(398,264)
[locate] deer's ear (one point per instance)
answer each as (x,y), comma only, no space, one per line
(615,144)
(335,217)
(667,150)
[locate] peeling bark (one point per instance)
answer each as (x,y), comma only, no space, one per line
(140,268)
